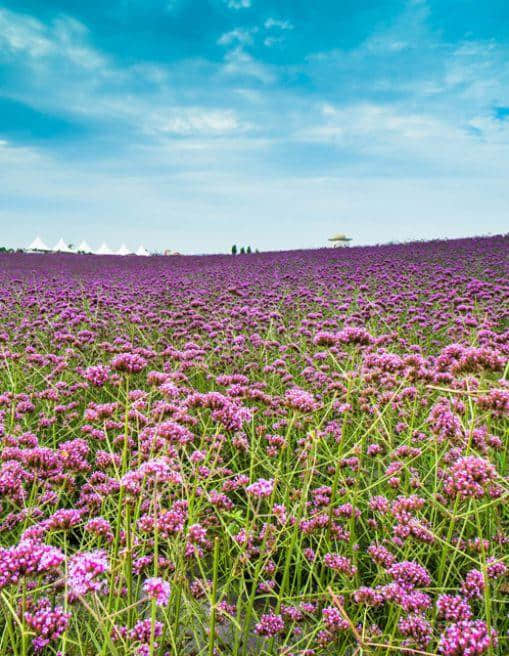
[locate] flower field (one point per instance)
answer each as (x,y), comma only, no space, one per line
(285,453)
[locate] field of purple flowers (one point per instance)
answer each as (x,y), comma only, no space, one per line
(295,453)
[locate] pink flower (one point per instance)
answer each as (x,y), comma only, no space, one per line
(84,573)
(261,488)
(299,399)
(97,374)
(47,622)
(453,608)
(473,585)
(333,619)
(467,638)
(157,589)
(470,476)
(410,573)
(270,625)
(416,627)
(340,563)
(131,363)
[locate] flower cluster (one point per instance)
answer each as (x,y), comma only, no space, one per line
(157,589)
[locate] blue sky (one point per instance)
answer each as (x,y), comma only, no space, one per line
(193,124)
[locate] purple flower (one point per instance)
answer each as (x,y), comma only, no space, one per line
(333,619)
(470,476)
(131,363)
(467,638)
(157,589)
(408,572)
(453,608)
(97,374)
(261,488)
(28,558)
(473,585)
(340,563)
(416,627)
(47,622)
(84,573)
(270,625)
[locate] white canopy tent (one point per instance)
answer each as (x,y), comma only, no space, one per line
(142,251)
(84,247)
(340,240)
(38,245)
(104,249)
(61,247)
(123,250)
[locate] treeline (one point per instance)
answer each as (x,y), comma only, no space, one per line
(244,250)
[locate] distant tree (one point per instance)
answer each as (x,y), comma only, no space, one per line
(234,249)
(242,250)
(3,249)
(71,246)
(257,251)
(248,250)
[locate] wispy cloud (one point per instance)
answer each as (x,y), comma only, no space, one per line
(280,24)
(241,64)
(238,35)
(65,38)
(96,87)
(238,4)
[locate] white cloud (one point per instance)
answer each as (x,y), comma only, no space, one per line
(278,25)
(393,135)
(64,38)
(242,64)
(86,84)
(20,33)
(371,126)
(270,41)
(238,4)
(12,155)
(197,121)
(239,35)
(281,24)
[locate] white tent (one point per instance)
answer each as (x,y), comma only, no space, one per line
(84,247)
(61,247)
(123,250)
(104,249)
(340,240)
(38,245)
(142,251)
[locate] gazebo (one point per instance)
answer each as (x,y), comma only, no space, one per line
(340,240)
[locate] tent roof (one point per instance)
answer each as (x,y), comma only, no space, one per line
(104,249)
(142,250)
(38,245)
(340,237)
(85,247)
(123,250)
(62,247)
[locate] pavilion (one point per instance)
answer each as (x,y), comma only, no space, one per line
(340,240)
